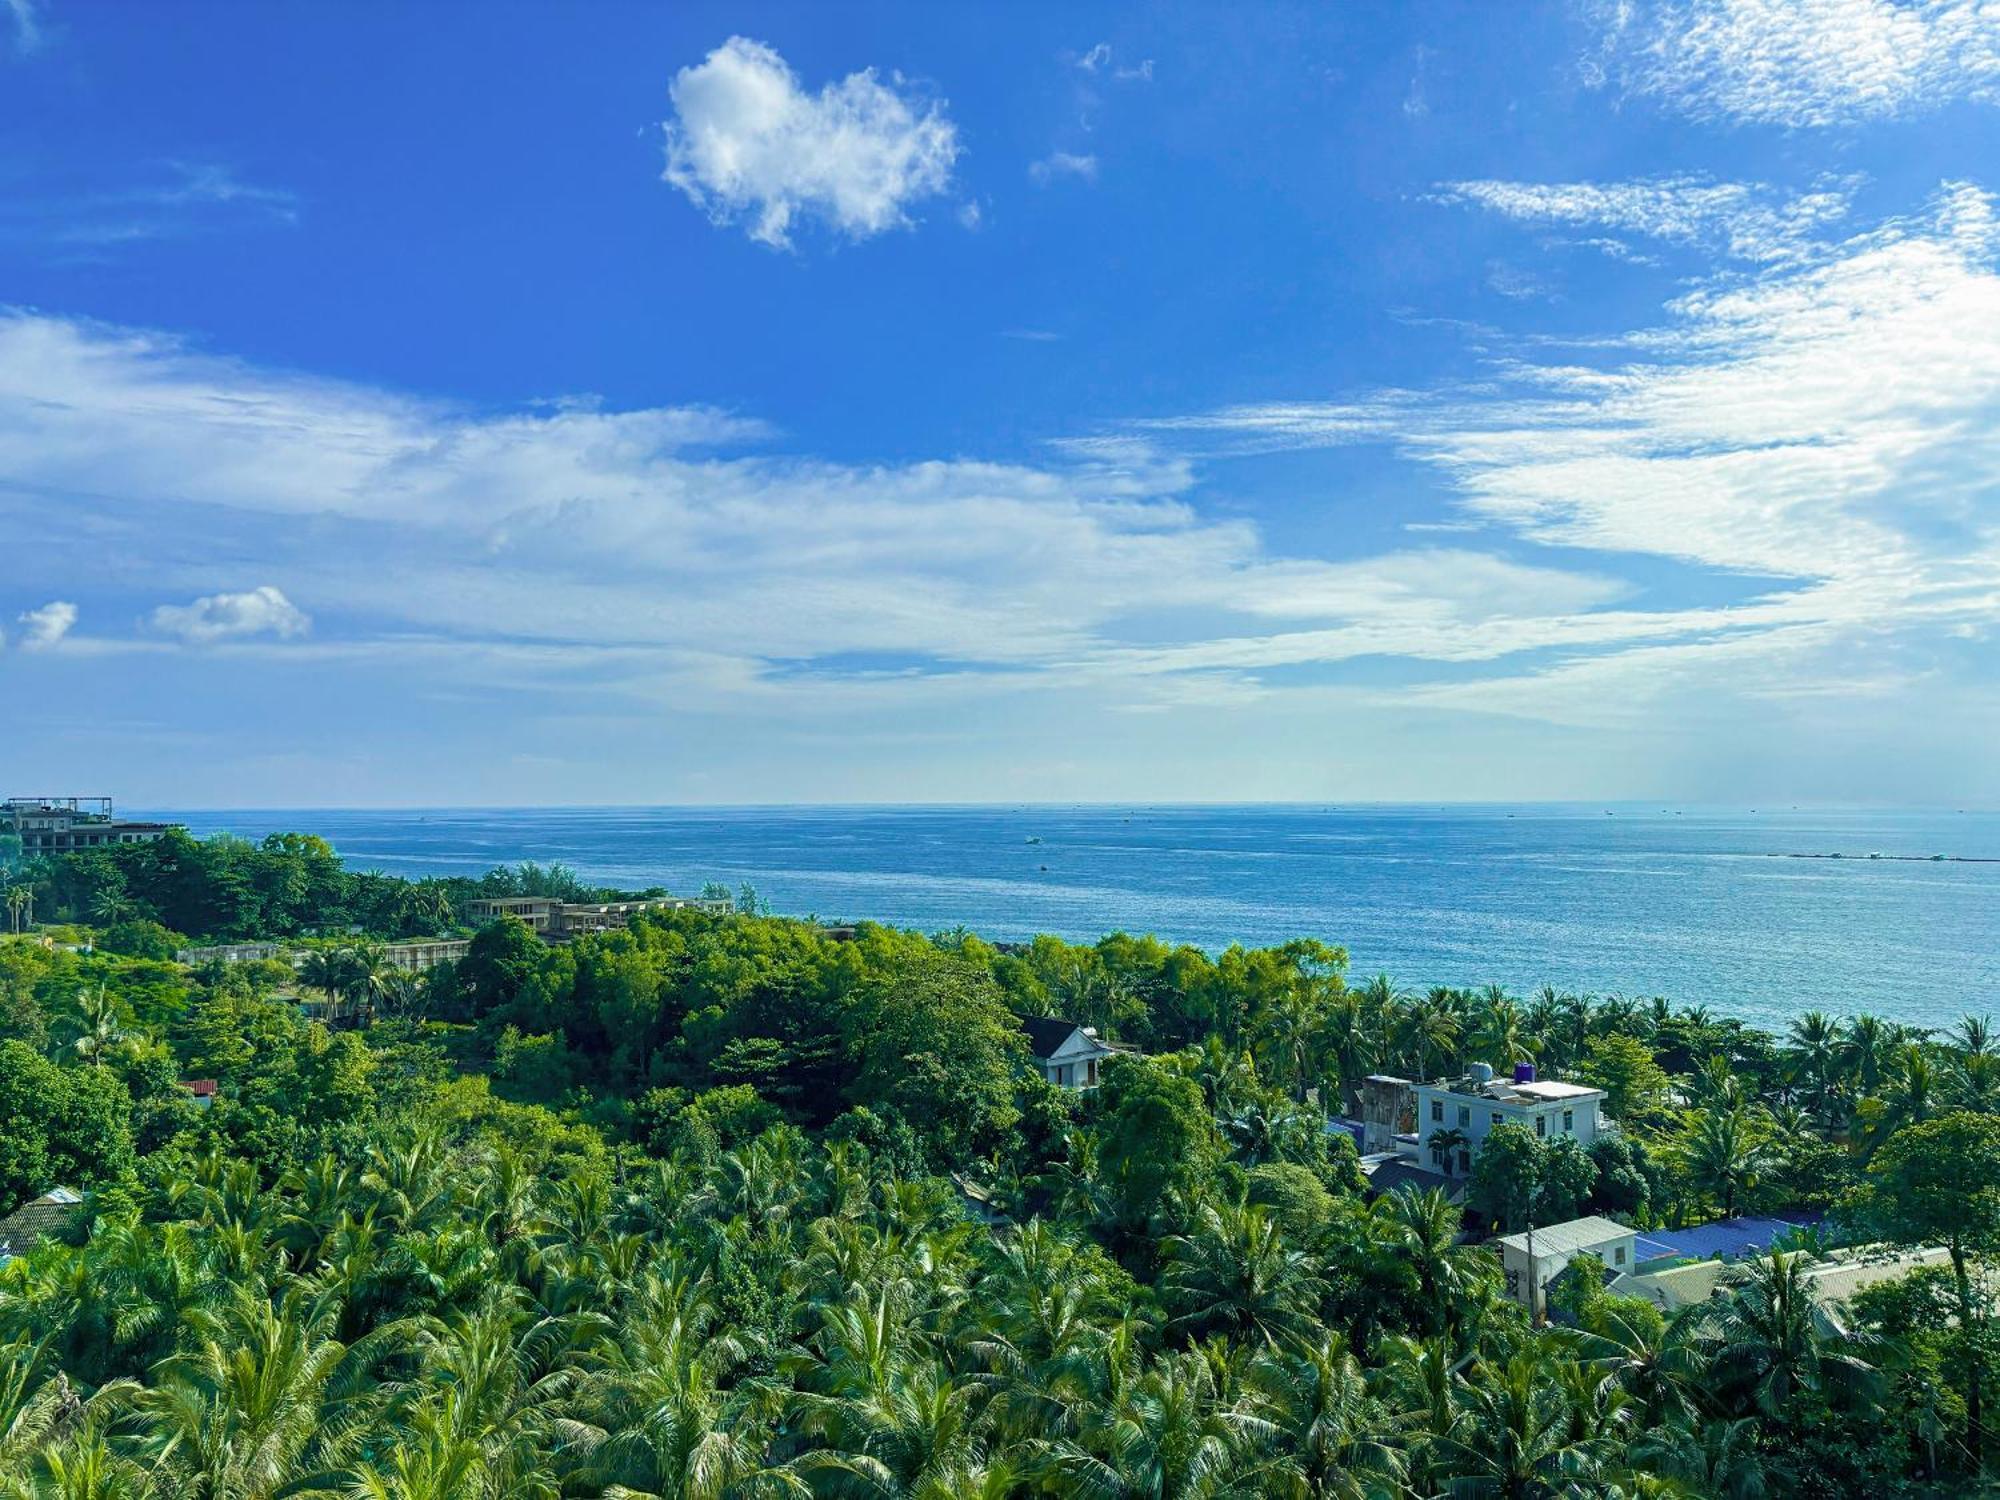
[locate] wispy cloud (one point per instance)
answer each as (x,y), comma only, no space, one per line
(183,199)
(1800,63)
(749,143)
(1746,220)
(1832,422)
(1063,164)
(26,20)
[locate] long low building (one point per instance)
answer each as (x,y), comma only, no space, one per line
(559,921)
(414,956)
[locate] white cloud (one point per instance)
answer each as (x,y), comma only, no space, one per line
(47,625)
(1833,423)
(609,543)
(26,16)
(1063,164)
(1747,220)
(1803,62)
(747,142)
(1099,60)
(218,617)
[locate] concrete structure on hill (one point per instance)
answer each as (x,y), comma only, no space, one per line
(1455,1117)
(63,825)
(1067,1054)
(1388,1109)
(559,921)
(1533,1259)
(413,956)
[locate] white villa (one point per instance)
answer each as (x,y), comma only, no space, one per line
(1465,1110)
(1067,1054)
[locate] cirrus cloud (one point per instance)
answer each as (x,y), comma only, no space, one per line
(1803,63)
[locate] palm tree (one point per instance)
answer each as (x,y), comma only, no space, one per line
(112,906)
(98,1031)
(1423,1229)
(1232,1273)
(1502,1036)
(1974,1035)
(1429,1032)
(1863,1051)
(1287,1032)
(1332,1432)
(1725,1153)
(245,1412)
(1443,1145)
(1765,1347)
(1519,1436)
(1170,1436)
(369,977)
(325,970)
(18,899)
(1350,1041)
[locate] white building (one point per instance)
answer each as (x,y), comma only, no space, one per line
(1530,1272)
(1465,1111)
(1068,1055)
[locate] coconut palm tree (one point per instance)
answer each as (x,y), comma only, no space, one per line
(245,1411)
(1333,1433)
(1232,1273)
(326,970)
(1725,1153)
(98,1028)
(1423,1228)
(18,900)
(1518,1436)
(1765,1348)
(1428,1031)
(1974,1035)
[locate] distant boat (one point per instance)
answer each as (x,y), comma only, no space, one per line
(1034,838)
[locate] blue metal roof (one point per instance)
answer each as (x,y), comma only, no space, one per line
(1727,1238)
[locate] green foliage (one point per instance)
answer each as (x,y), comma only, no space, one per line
(693,1235)
(59,1127)
(1518,1179)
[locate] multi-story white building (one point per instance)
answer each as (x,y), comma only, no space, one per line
(63,825)
(1454,1117)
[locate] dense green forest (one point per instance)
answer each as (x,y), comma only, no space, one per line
(678,1211)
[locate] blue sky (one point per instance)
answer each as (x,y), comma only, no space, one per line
(635,403)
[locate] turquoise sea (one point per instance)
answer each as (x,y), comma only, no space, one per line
(1699,904)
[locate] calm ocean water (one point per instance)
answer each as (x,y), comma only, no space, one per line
(1694,903)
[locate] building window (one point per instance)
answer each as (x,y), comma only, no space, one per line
(1569,1122)
(1618,1256)
(1541,1124)
(1464,1116)
(1437,1111)
(1496,1117)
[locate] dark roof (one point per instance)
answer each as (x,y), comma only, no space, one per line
(1046,1034)
(1726,1239)
(44,1215)
(200,1087)
(1391,1175)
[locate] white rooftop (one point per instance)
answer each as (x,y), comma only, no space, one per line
(1555,1090)
(1571,1238)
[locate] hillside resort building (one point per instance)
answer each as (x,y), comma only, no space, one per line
(63,825)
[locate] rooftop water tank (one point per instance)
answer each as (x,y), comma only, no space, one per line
(1482,1072)
(1524,1072)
